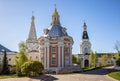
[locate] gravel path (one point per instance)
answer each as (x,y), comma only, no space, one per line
(94,75)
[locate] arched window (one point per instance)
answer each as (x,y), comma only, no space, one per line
(66,60)
(85,51)
(53,59)
(53,49)
(9,59)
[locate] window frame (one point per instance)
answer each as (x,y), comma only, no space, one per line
(53,59)
(53,49)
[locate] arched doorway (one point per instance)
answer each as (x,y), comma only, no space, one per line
(86,63)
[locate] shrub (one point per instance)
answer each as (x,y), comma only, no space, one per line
(118,62)
(13,69)
(32,68)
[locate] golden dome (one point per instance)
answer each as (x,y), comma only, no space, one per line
(32,17)
(55,13)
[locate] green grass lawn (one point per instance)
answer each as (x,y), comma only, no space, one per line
(8,76)
(115,75)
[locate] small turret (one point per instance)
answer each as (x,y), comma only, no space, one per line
(55,17)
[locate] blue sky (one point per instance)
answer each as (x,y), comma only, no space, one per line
(102,18)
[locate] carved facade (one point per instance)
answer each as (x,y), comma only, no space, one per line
(55,46)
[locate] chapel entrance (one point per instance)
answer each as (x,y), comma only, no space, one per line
(86,63)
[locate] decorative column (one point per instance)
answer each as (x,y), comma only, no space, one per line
(39,53)
(83,61)
(58,56)
(45,57)
(48,57)
(70,55)
(62,56)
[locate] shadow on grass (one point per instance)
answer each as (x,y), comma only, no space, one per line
(46,77)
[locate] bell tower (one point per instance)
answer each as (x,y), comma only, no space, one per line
(85,46)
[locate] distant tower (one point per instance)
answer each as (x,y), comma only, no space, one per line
(32,41)
(85,46)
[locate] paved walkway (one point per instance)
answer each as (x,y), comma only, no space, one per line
(94,75)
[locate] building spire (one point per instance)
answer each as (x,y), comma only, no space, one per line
(32,32)
(55,17)
(85,34)
(55,7)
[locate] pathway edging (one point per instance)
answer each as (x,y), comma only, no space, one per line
(111,78)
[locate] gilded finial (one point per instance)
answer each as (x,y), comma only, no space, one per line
(55,12)
(32,15)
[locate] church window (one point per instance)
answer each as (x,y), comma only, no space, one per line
(53,59)
(53,49)
(85,51)
(9,59)
(67,50)
(67,60)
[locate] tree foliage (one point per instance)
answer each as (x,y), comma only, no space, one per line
(118,62)
(21,58)
(74,59)
(32,68)
(22,46)
(93,59)
(5,67)
(104,59)
(117,56)
(117,46)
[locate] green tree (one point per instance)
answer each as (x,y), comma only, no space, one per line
(74,59)
(0,68)
(79,61)
(117,56)
(21,58)
(104,59)
(93,59)
(22,46)
(117,46)
(32,68)
(5,67)
(118,62)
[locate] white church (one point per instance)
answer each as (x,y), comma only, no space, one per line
(85,48)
